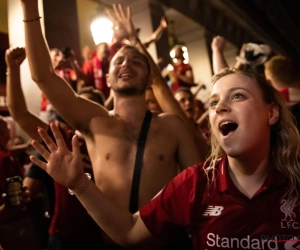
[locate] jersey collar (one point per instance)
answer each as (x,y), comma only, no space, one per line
(274,176)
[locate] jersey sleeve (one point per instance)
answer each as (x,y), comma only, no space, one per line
(169,213)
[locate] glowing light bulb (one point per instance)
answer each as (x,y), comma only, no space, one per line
(102,30)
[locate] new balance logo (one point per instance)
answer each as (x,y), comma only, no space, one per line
(213,211)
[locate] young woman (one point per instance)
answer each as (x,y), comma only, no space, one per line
(246,196)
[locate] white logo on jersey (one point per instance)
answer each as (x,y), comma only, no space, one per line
(287,208)
(213,211)
(216,241)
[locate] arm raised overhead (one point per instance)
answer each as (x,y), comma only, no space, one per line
(75,110)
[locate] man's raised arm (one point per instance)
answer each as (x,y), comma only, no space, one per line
(75,110)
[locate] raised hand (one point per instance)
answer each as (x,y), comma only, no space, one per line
(218,46)
(218,43)
(14,57)
(122,23)
(163,22)
(64,166)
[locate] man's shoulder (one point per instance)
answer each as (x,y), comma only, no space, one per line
(170,119)
(104,121)
(165,115)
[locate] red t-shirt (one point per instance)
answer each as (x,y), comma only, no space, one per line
(182,69)
(220,216)
(95,72)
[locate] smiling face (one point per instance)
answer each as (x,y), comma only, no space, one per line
(240,118)
(128,72)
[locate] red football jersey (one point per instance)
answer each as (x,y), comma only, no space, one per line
(219,216)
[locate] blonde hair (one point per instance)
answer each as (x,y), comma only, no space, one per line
(284,144)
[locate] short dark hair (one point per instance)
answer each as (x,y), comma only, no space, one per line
(183,89)
(97,94)
(56,50)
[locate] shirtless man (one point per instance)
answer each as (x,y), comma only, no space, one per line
(162,93)
(112,137)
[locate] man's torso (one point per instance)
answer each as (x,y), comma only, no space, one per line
(113,153)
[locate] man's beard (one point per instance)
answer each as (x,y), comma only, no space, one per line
(130,91)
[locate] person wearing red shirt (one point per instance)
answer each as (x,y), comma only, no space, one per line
(182,73)
(96,69)
(219,215)
(67,67)
(245,196)
(66,227)
(9,165)
(16,227)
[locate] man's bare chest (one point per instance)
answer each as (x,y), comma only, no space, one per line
(116,142)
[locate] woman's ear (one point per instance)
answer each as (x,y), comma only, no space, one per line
(274,114)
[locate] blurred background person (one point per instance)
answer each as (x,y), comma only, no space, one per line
(151,101)
(95,69)
(67,67)
(284,74)
(66,216)
(180,73)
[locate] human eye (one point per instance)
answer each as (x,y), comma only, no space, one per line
(212,103)
(238,96)
(182,100)
(137,61)
(119,60)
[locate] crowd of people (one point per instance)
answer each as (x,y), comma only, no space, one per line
(125,160)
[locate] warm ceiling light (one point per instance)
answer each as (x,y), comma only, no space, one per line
(102,30)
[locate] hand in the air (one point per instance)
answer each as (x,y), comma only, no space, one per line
(64,166)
